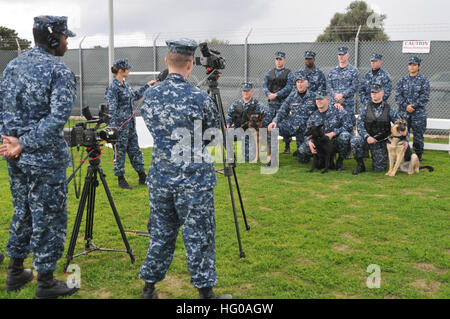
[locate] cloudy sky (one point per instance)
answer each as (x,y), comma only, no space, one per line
(139,22)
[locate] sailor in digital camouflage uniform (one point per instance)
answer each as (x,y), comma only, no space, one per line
(239,112)
(342,84)
(316,78)
(278,84)
(376,76)
(182,176)
(121,98)
(336,125)
(374,126)
(37,92)
(295,112)
(412,96)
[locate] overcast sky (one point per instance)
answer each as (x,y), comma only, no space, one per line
(138,22)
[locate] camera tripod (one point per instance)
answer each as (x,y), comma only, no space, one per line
(228,169)
(88,196)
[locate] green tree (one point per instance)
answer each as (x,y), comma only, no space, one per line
(8,40)
(344,26)
(215,41)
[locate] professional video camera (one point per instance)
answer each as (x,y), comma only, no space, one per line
(82,135)
(210,59)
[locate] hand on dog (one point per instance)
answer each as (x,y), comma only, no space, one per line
(312,147)
(272,96)
(331,135)
(11,147)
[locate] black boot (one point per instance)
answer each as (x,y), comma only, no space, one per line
(360,167)
(123,183)
(142,178)
(208,293)
(287,149)
(1,257)
(149,292)
(340,163)
(420,158)
(50,288)
(17,276)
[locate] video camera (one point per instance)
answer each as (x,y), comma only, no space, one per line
(210,59)
(82,135)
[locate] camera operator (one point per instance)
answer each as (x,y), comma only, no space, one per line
(36,97)
(181,192)
(120,97)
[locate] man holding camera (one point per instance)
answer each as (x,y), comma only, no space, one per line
(181,188)
(36,97)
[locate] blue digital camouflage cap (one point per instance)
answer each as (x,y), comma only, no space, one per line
(247,86)
(342,50)
(56,24)
(122,64)
(182,46)
(300,75)
(414,60)
(310,55)
(376,87)
(280,55)
(376,57)
(321,95)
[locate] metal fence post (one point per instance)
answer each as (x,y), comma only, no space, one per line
(155,60)
(357,46)
(246,56)
(80,66)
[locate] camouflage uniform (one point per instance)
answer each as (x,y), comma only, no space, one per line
(378,150)
(36,97)
(120,98)
(414,90)
(180,191)
(332,120)
(379,76)
(316,78)
(293,115)
(258,109)
(344,81)
(282,94)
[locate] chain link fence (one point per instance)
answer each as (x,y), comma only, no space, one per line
(251,62)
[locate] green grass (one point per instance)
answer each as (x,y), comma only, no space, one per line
(312,235)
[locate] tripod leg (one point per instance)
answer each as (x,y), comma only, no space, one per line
(242,254)
(247,227)
(90,210)
(79,217)
(116,214)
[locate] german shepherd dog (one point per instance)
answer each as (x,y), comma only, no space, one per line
(400,158)
(326,151)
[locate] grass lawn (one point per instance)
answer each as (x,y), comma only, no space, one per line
(312,235)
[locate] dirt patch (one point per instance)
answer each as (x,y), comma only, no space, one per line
(267,209)
(340,295)
(425,286)
(342,247)
(350,237)
(430,267)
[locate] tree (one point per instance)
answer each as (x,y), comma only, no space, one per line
(215,41)
(8,40)
(344,26)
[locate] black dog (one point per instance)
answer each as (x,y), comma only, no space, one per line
(326,151)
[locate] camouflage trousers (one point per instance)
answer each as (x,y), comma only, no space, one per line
(287,129)
(379,152)
(193,211)
(417,122)
(271,112)
(342,143)
(127,143)
(39,224)
(349,107)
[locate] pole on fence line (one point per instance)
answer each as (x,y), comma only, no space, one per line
(111,39)
(357,46)
(155,61)
(19,50)
(80,65)
(246,56)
